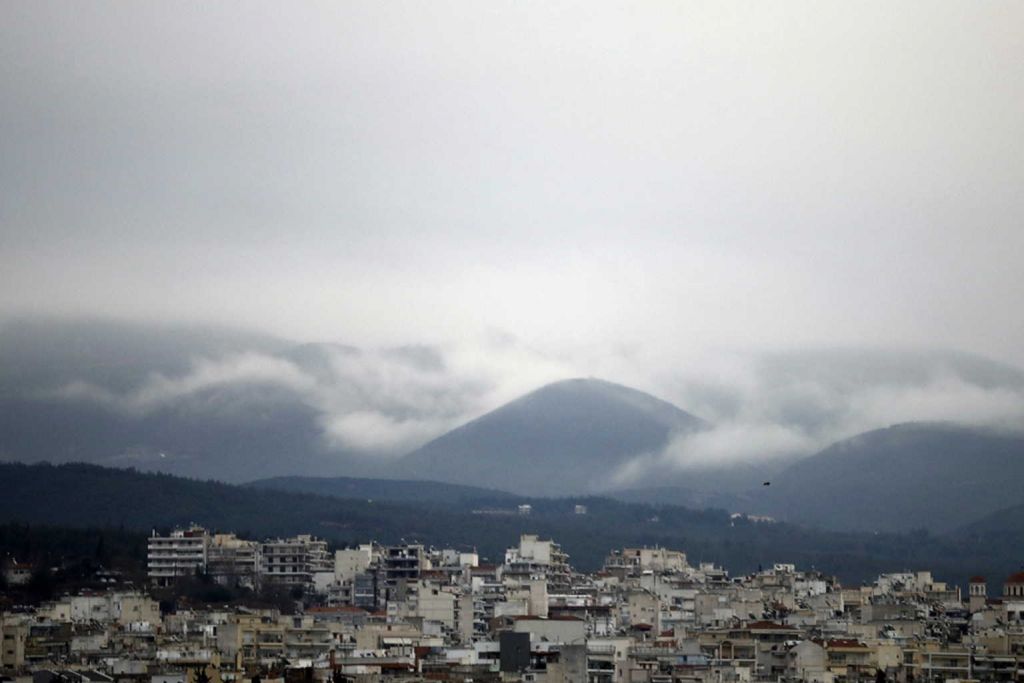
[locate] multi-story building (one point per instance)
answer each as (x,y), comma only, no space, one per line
(294,561)
(402,562)
(352,561)
(13,635)
(647,618)
(535,558)
(232,560)
(366,590)
(637,560)
(185,552)
(182,553)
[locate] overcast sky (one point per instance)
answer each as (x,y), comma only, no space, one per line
(671,175)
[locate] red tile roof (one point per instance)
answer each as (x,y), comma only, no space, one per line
(845,643)
(768,626)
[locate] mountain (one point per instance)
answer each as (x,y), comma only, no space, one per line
(1004,526)
(228,433)
(912,476)
(212,401)
(120,393)
(40,355)
(217,402)
(705,495)
(566,437)
(82,496)
(395,490)
(203,401)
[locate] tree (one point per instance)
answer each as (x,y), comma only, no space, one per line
(101,551)
(41,586)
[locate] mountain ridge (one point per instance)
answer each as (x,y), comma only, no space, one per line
(395,490)
(580,424)
(211,401)
(99,497)
(919,475)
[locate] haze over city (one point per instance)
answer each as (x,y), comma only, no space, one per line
(511,342)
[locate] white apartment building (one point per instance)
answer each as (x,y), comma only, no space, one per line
(536,558)
(182,553)
(235,561)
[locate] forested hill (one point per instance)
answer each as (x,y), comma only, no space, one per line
(79,495)
(938,476)
(397,490)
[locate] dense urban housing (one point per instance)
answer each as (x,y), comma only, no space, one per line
(407,612)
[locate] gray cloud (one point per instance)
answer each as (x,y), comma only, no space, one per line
(767,407)
(377,402)
(720,446)
(682,176)
(762,407)
(159,389)
(945,398)
(394,400)
(485,198)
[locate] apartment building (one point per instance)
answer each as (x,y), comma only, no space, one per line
(294,561)
(182,553)
(536,558)
(232,560)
